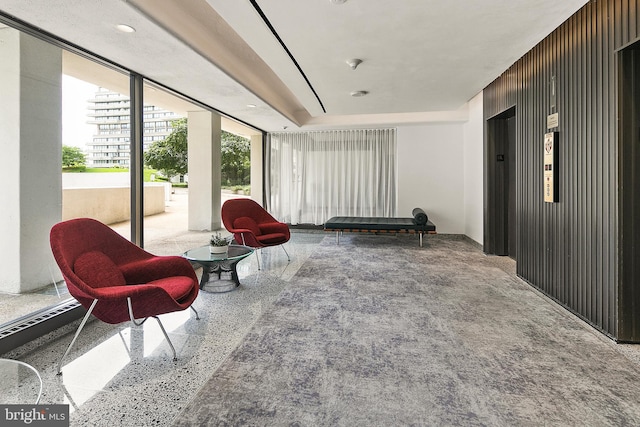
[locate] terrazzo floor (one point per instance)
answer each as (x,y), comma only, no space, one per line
(123,375)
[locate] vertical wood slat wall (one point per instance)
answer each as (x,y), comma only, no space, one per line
(569,249)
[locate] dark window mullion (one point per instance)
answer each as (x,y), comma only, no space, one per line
(136,159)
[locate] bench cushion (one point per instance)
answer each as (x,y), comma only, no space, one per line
(376,223)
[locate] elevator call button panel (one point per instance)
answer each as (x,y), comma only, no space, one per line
(550,167)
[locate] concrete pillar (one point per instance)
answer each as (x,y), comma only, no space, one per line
(204,139)
(31,144)
(257,166)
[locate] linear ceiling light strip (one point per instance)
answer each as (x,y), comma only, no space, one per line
(266,21)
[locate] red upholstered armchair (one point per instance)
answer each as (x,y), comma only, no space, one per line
(115,280)
(253,226)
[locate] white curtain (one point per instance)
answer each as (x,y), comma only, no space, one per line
(316,175)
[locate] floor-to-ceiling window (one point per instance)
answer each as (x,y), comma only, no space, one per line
(95,119)
(66,134)
(166,190)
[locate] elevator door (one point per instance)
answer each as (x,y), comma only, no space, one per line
(510,186)
(501,186)
(629,193)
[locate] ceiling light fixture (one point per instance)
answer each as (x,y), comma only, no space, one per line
(359,93)
(353,63)
(125,28)
(251,105)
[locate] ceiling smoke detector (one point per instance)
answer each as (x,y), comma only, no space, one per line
(353,63)
(359,93)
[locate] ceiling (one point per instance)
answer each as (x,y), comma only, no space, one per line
(282,64)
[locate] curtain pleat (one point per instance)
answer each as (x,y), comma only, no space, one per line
(316,175)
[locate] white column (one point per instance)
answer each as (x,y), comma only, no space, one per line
(204,140)
(31,143)
(257,165)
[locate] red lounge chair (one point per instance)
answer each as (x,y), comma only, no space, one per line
(117,281)
(253,226)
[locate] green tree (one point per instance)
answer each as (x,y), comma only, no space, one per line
(72,157)
(169,155)
(236,159)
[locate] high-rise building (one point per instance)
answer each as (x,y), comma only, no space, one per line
(111,114)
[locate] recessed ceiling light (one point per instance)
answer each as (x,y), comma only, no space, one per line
(125,28)
(359,93)
(251,105)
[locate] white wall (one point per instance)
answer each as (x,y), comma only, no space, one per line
(30,136)
(9,135)
(431,174)
(473,164)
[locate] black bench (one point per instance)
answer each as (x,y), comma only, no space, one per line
(419,224)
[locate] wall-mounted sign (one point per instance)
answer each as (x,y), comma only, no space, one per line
(550,167)
(552,121)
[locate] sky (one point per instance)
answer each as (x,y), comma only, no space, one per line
(75,94)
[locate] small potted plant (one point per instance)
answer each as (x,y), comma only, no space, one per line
(218,244)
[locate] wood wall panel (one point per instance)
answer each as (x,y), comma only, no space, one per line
(569,249)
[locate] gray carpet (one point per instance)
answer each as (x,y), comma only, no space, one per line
(378,331)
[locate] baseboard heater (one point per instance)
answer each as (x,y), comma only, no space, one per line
(24,329)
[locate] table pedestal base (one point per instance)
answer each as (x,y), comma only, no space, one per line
(212,263)
(218,267)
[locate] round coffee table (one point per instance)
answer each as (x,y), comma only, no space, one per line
(21,383)
(218,263)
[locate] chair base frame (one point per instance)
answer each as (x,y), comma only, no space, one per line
(258,258)
(133,320)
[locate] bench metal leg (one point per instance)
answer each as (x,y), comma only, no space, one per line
(421,239)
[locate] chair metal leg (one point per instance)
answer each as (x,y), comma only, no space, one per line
(194,310)
(84,320)
(175,357)
(255,249)
(285,251)
(133,320)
